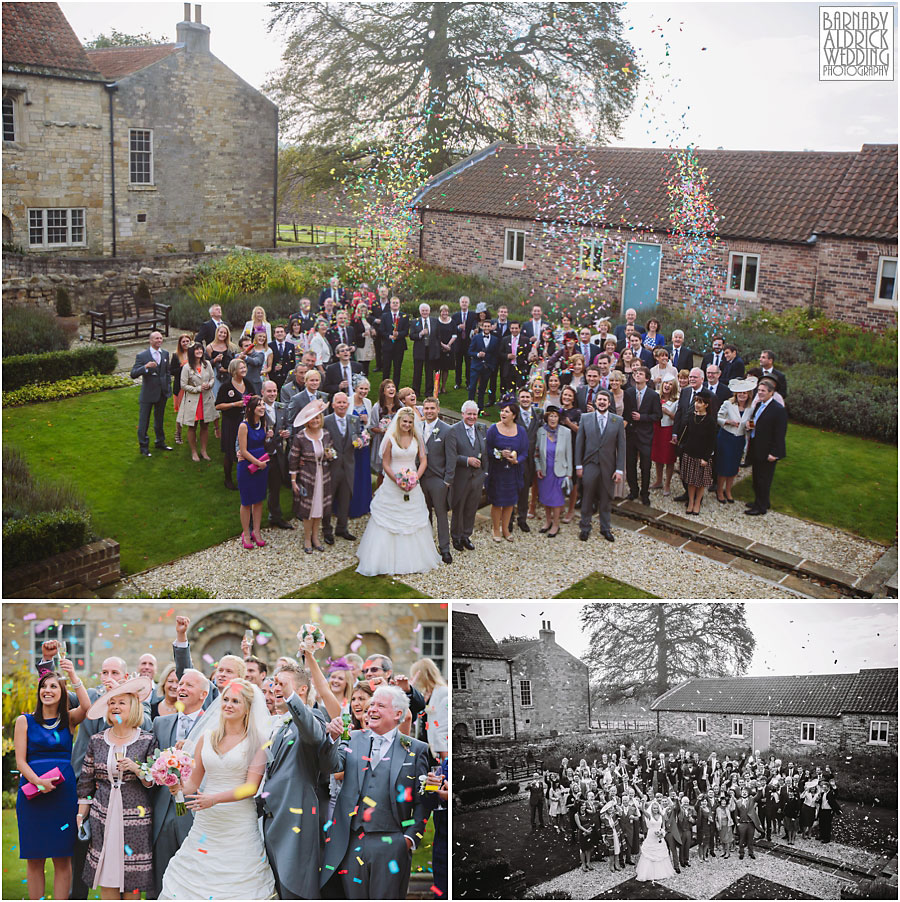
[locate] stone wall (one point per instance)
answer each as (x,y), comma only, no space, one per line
(90,566)
(856,734)
(487,697)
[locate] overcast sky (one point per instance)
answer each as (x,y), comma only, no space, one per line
(791,637)
(754,86)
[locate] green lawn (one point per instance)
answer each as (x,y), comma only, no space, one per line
(599,586)
(837,480)
(349,584)
(323,235)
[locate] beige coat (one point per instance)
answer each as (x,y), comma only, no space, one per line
(191,382)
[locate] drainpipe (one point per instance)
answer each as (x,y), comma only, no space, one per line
(421,231)
(589,700)
(275,189)
(110,89)
(512,698)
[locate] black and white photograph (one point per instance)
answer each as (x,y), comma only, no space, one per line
(664,750)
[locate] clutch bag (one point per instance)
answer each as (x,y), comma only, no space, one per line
(252,467)
(30,790)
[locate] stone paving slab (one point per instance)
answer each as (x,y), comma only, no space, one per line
(729,539)
(710,551)
(757,569)
(664,535)
(775,554)
(832,574)
(692,527)
(619,522)
(808,587)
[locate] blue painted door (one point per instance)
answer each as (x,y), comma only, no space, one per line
(642,263)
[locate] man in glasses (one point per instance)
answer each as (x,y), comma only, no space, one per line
(379,670)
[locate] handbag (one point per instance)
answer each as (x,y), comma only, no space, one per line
(252,467)
(29,790)
(84,831)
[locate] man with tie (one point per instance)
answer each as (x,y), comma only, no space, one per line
(283,357)
(310,392)
(531,419)
(586,395)
(466,462)
(599,463)
(767,429)
(733,367)
(382,304)
(716,355)
(278,429)
(603,362)
(394,329)
(630,320)
(169,829)
(335,292)
(500,328)
(435,489)
(151,366)
(339,375)
(642,409)
(464,322)
(641,354)
(680,355)
(514,350)
(532,329)
(719,388)
(341,334)
(380,814)
(483,350)
(307,320)
(207,332)
(343,429)
(585,348)
(748,822)
(767,365)
(426,349)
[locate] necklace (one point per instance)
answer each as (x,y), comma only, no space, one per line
(53,724)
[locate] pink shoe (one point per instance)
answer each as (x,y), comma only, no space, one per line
(245,542)
(258,540)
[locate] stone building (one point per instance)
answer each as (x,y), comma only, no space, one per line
(130,150)
(593,227)
(402,630)
(831,714)
(529,689)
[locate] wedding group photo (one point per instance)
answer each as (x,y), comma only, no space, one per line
(254,751)
(667,750)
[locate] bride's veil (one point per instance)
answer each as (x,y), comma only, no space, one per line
(391,431)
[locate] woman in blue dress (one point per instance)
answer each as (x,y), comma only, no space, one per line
(43,741)
(252,485)
(507,448)
(362,474)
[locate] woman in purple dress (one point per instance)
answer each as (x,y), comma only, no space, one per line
(553,463)
(507,447)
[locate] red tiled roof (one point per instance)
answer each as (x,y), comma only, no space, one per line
(823,695)
(471,638)
(765,195)
(865,204)
(38,34)
(115,62)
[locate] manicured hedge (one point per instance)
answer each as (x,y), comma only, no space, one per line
(473,773)
(65,388)
(27,369)
(28,330)
(480,793)
(42,535)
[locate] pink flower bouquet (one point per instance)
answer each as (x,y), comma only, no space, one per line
(407,480)
(169,767)
(362,440)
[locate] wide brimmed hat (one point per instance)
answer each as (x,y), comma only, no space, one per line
(139,686)
(748,384)
(310,412)
(481,307)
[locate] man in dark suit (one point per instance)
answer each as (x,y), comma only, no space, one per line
(630,320)
(464,322)
(466,454)
(584,347)
(514,349)
(309,393)
(381,305)
(733,366)
(426,340)
(586,395)
(642,409)
(500,328)
(828,808)
(767,365)
(305,315)
(641,354)
(278,430)
(394,329)
(483,351)
(343,429)
(716,355)
(335,291)
(339,375)
(717,385)
(283,357)
(294,384)
(530,419)
(151,366)
(747,818)
(207,332)
(680,355)
(531,329)
(341,334)
(767,428)
(435,489)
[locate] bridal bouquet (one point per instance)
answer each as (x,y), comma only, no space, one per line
(313,632)
(169,767)
(329,453)
(407,480)
(362,440)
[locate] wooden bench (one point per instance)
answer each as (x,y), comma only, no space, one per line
(123,316)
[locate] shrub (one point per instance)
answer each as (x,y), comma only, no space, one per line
(65,388)
(479,872)
(23,494)
(10,795)
(39,536)
(63,302)
(480,793)
(177,592)
(56,365)
(27,330)
(19,696)
(473,773)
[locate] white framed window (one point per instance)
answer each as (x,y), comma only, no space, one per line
(808,732)
(701,724)
(75,637)
(590,258)
(743,274)
(514,248)
(737,728)
(9,119)
(56,227)
(885,286)
(140,156)
(434,645)
(525,694)
(878,732)
(460,677)
(488,727)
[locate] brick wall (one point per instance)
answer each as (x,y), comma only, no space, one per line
(487,697)
(90,566)
(856,734)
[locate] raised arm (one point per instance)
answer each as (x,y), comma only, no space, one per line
(323,690)
(76,715)
(181,649)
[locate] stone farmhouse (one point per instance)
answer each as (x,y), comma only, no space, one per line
(130,150)
(828,714)
(594,225)
(514,691)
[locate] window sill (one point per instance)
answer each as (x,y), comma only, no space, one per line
(506,264)
(742,295)
(45,249)
(883,745)
(808,742)
(883,305)
(589,276)
(142,187)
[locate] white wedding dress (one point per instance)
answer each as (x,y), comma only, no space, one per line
(398,537)
(232,863)
(655,862)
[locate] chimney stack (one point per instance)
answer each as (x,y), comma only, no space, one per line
(546,634)
(194,35)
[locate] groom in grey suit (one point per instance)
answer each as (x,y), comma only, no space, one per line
(170,829)
(151,366)
(599,461)
(380,814)
(466,454)
(434,484)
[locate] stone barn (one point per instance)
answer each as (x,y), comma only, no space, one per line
(828,714)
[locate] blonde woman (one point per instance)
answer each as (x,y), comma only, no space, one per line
(261,345)
(365,335)
(168,686)
(663,452)
(257,319)
(428,680)
(318,344)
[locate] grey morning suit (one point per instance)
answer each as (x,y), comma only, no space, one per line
(342,468)
(601,456)
(433,481)
(467,482)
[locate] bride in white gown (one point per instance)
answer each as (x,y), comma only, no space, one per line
(655,862)
(223,856)
(398,537)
